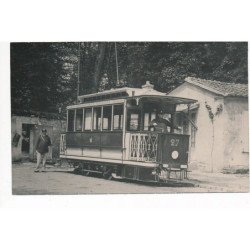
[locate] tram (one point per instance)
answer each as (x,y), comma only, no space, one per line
(110,133)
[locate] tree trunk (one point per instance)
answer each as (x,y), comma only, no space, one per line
(98,66)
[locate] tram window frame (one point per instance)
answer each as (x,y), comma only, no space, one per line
(89,122)
(120,115)
(97,125)
(150,119)
(79,112)
(109,118)
(150,108)
(130,112)
(71,120)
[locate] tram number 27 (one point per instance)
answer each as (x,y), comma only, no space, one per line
(174,142)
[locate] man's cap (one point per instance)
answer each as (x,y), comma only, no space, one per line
(44,130)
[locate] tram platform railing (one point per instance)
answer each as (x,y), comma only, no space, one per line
(143,146)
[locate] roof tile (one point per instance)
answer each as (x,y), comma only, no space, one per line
(225,89)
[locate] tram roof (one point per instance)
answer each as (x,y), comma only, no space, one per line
(166,99)
(147,92)
(119,93)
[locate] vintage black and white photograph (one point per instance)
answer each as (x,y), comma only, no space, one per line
(129,117)
(124,125)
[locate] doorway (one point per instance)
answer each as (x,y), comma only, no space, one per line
(30,135)
(26,140)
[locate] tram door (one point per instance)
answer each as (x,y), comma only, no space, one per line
(37,132)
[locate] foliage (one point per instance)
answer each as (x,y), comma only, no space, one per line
(212,115)
(44,76)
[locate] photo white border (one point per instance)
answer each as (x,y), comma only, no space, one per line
(177,221)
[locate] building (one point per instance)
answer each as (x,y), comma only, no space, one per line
(25,129)
(218,124)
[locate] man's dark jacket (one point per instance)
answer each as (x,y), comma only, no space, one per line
(43,143)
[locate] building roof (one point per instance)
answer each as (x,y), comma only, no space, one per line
(220,88)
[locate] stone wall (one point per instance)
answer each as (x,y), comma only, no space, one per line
(57,127)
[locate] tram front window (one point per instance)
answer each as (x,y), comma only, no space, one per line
(106,121)
(133,120)
(148,117)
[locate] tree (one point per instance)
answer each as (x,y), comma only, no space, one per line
(44,75)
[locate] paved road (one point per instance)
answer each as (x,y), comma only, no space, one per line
(63,181)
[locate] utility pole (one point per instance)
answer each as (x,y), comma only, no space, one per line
(79,69)
(116,62)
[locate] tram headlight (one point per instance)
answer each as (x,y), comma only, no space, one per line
(175,154)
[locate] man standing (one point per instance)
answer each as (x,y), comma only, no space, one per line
(42,148)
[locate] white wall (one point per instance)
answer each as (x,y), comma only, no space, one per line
(208,153)
(236,151)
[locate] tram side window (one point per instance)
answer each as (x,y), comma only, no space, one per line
(133,120)
(97,116)
(106,122)
(87,119)
(71,117)
(118,117)
(79,117)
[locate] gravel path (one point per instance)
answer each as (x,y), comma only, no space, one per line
(63,181)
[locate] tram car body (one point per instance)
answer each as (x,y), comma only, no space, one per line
(109,132)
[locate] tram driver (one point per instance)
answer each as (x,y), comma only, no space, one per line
(161,124)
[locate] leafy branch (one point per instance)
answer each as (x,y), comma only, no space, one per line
(212,116)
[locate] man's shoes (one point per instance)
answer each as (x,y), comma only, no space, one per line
(36,170)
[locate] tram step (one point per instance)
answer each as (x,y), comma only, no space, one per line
(92,171)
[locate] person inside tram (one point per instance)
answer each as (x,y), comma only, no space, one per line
(161,124)
(25,142)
